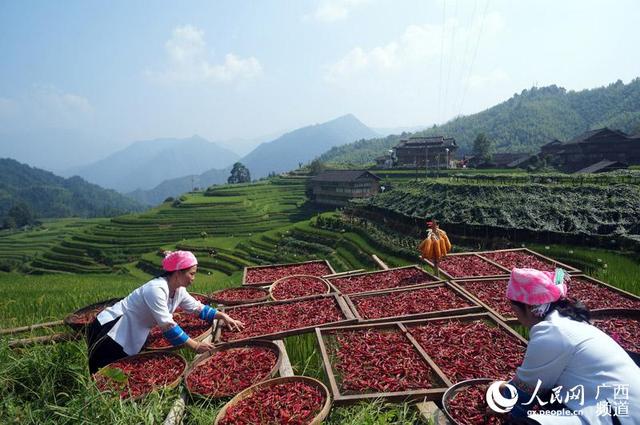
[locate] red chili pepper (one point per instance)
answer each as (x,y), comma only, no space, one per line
(143,374)
(298,286)
(267,275)
(625,331)
(519,259)
(388,279)
(377,361)
(229,371)
(470,349)
(268,318)
(468,265)
(407,302)
(291,403)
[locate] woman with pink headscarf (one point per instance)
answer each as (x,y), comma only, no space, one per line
(122,329)
(567,359)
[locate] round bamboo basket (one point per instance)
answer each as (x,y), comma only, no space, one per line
(283,280)
(322,414)
(453,390)
(264,297)
(72,320)
(169,385)
(207,357)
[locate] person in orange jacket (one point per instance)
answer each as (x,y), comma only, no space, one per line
(436,245)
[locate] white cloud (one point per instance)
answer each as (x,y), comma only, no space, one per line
(496,76)
(46,106)
(419,45)
(335,10)
(188,61)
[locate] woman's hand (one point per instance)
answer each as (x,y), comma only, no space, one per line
(200,346)
(234,325)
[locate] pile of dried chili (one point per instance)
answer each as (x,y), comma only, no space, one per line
(402,303)
(519,259)
(470,349)
(491,292)
(596,296)
(269,318)
(469,265)
(625,331)
(86,316)
(387,279)
(291,403)
(229,371)
(232,296)
(267,275)
(469,407)
(369,360)
(298,286)
(139,375)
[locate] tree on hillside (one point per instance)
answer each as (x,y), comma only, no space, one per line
(239,174)
(316,167)
(482,148)
(19,215)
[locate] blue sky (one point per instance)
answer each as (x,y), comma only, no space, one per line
(124,71)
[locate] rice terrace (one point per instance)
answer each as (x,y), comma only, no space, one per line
(281,262)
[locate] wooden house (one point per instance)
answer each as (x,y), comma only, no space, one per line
(592,147)
(425,152)
(339,186)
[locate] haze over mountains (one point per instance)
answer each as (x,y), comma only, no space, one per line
(145,164)
(282,154)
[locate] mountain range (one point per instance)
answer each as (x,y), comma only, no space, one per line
(48,195)
(523,123)
(285,153)
(146,164)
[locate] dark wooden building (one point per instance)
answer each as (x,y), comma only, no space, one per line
(592,147)
(338,186)
(425,152)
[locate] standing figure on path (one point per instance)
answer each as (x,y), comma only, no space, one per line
(435,246)
(122,329)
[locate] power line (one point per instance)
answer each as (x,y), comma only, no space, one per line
(475,53)
(444,20)
(453,48)
(465,55)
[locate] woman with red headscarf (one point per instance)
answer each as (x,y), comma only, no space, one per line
(122,329)
(567,359)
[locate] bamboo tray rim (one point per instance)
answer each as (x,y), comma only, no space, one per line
(266,283)
(307,276)
(454,389)
(240,302)
(249,391)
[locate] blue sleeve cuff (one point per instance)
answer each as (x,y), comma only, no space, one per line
(208,313)
(176,335)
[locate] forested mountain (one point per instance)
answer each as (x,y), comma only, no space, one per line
(145,164)
(47,195)
(524,122)
(304,144)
